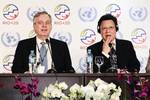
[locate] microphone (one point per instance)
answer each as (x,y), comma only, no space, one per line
(110,45)
(52,70)
(38,63)
(47,41)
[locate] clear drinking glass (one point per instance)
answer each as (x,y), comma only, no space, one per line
(99,61)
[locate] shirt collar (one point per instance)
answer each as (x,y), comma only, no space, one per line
(39,40)
(114,44)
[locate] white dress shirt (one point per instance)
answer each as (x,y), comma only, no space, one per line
(49,59)
(114,46)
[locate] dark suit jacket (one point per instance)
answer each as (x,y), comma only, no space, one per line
(148,64)
(60,56)
(126,56)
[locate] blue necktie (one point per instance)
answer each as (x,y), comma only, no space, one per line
(43,55)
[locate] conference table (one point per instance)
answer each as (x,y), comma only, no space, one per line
(8,92)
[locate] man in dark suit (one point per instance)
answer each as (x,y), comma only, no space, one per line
(126,56)
(57,52)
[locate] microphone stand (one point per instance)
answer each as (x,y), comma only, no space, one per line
(52,70)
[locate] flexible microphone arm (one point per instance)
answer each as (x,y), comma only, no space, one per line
(52,70)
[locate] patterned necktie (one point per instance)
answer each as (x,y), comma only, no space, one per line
(113,56)
(43,55)
(113,51)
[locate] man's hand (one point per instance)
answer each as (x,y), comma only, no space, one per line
(106,49)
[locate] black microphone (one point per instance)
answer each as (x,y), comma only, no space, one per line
(110,45)
(38,63)
(47,41)
(52,70)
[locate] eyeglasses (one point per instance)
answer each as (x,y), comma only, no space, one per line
(108,28)
(43,23)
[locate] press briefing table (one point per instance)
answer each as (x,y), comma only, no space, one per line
(7,82)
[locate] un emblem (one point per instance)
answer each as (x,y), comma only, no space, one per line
(10,39)
(83,64)
(138,13)
(87,13)
(32,11)
(63,36)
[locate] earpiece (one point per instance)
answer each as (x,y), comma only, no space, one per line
(107,17)
(117,28)
(98,29)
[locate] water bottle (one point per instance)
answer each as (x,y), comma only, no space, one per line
(89,61)
(32,60)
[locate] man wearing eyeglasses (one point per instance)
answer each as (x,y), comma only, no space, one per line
(56,53)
